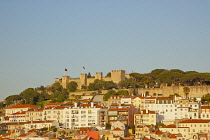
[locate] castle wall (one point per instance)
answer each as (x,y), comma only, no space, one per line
(107,78)
(195,91)
(90,80)
(77,80)
(116,77)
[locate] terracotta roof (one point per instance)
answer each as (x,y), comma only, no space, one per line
(158,132)
(205,107)
(196,121)
(2,114)
(54,107)
(169,126)
(145,138)
(22,106)
(150,98)
(117,129)
(138,96)
(38,109)
(19,113)
(127,96)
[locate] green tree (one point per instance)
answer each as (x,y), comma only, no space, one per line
(30,95)
(96,85)
(11,99)
(109,85)
(108,74)
(122,92)
(206,99)
(186,91)
(72,86)
(147,93)
(108,94)
(55,87)
(128,83)
(89,75)
(157,72)
(2,105)
(83,87)
(136,76)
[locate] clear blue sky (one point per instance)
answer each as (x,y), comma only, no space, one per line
(39,39)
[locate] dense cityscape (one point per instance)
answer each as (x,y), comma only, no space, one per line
(113,107)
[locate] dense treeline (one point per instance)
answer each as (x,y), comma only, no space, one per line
(159,77)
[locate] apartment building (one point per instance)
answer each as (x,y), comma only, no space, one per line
(17,117)
(54,113)
(83,115)
(121,112)
(196,126)
(18,108)
(145,117)
(186,108)
(137,101)
(114,99)
(205,112)
(164,107)
(172,128)
(34,114)
(126,100)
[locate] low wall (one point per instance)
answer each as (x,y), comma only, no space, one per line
(195,91)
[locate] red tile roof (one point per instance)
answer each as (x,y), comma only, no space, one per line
(196,121)
(38,109)
(22,106)
(205,107)
(170,126)
(117,129)
(138,96)
(19,113)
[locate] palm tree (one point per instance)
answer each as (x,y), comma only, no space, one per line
(186,91)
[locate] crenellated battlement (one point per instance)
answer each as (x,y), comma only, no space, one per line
(116,77)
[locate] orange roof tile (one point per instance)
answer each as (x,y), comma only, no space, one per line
(170,126)
(22,106)
(19,113)
(205,107)
(117,129)
(196,121)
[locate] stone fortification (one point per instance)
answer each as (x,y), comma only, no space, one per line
(116,77)
(195,91)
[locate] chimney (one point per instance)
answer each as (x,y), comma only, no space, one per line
(75,104)
(91,104)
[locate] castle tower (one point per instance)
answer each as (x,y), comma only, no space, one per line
(98,75)
(65,81)
(117,75)
(83,80)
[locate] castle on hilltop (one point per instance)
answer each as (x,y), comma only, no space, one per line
(116,77)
